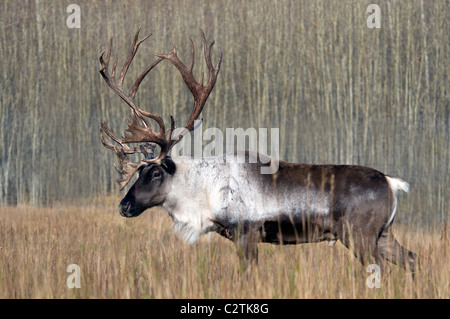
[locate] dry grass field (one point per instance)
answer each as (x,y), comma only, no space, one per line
(142,258)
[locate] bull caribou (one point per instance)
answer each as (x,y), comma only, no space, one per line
(227,194)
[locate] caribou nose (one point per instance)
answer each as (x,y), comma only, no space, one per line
(124,209)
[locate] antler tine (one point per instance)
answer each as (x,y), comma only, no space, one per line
(104,63)
(207,51)
(105,142)
(111,146)
(191,64)
(147,149)
(136,84)
(131,55)
(186,72)
(129,168)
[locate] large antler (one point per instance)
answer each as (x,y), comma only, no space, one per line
(199,91)
(139,129)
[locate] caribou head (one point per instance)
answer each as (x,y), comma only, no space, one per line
(149,190)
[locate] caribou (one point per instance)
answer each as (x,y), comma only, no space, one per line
(298,203)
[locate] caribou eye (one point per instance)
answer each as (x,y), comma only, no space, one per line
(156,174)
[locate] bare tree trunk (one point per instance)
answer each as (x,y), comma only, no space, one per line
(35,128)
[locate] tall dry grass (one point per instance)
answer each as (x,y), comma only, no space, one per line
(142,258)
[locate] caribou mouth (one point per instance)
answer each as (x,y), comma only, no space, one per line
(128,210)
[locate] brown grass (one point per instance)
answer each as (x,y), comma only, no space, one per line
(142,258)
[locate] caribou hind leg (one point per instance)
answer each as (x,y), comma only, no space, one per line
(392,251)
(364,248)
(379,247)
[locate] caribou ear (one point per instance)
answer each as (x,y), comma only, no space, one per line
(168,165)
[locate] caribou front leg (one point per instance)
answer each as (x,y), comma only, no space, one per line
(248,236)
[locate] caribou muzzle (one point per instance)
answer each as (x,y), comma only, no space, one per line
(128,208)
